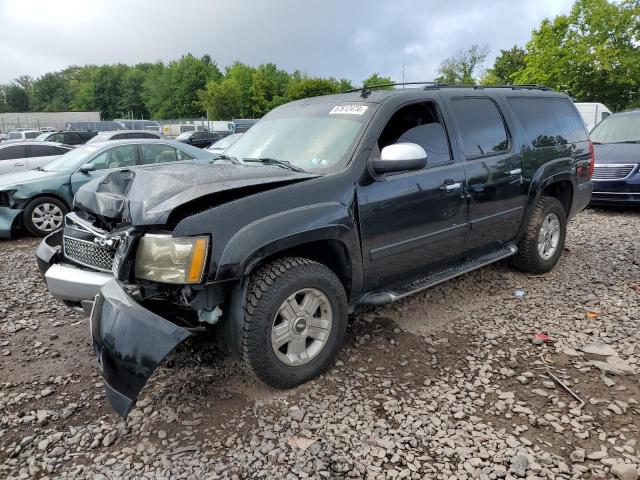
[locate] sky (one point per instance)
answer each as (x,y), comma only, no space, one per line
(339,38)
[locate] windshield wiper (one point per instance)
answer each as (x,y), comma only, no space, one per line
(274,161)
(225,157)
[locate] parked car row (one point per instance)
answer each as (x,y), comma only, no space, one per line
(37,199)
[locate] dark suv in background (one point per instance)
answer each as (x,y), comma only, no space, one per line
(325,205)
(68,137)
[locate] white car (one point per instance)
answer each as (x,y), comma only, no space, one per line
(22,135)
(21,156)
(592,113)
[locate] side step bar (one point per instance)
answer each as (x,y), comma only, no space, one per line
(380,297)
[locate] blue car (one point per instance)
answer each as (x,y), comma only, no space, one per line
(38,199)
(616,177)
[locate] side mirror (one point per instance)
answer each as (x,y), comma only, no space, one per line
(400,157)
(89,167)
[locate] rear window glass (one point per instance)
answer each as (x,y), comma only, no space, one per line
(481,126)
(548,122)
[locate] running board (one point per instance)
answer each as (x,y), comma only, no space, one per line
(380,297)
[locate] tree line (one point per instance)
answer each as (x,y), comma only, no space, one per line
(592,54)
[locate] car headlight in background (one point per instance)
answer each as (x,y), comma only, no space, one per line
(166,259)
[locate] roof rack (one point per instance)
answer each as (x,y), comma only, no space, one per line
(366,90)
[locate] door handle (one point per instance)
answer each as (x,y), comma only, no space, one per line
(513,173)
(449,185)
(18,164)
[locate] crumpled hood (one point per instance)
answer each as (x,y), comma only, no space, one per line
(617,153)
(147,195)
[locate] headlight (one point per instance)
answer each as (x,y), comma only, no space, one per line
(167,259)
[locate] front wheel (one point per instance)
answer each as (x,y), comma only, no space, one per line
(540,248)
(44,215)
(295,320)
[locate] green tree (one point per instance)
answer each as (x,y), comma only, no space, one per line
(303,87)
(222,100)
(107,90)
(376,79)
(461,68)
(51,93)
(593,53)
(16,98)
(505,67)
(242,74)
(132,99)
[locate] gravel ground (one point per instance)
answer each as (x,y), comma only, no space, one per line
(451,383)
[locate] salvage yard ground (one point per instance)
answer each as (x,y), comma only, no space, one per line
(445,384)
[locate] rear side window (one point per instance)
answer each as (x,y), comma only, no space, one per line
(548,122)
(9,153)
(481,127)
(161,153)
(42,151)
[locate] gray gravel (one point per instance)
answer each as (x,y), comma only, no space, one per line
(451,383)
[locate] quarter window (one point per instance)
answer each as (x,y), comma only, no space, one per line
(116,157)
(548,122)
(481,126)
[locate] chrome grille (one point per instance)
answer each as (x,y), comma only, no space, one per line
(89,254)
(612,171)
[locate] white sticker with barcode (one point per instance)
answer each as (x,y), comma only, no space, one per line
(348,110)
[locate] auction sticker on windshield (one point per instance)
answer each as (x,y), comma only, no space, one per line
(348,109)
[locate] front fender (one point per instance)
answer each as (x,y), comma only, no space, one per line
(274,233)
(7,218)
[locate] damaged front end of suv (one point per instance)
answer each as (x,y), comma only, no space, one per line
(148,288)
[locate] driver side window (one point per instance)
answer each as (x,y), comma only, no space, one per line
(418,123)
(116,157)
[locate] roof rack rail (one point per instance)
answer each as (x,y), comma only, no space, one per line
(366,90)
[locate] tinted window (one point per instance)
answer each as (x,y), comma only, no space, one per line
(117,157)
(70,137)
(31,134)
(120,136)
(17,151)
(158,153)
(481,126)
(42,151)
(548,121)
(142,135)
(57,137)
(419,124)
(61,150)
(14,136)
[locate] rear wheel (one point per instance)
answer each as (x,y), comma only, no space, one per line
(44,215)
(295,320)
(540,248)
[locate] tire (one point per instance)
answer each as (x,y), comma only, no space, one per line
(530,258)
(266,314)
(38,208)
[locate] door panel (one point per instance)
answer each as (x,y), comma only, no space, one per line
(496,200)
(493,169)
(40,161)
(411,224)
(13,165)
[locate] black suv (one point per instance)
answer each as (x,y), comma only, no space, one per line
(201,138)
(325,205)
(69,137)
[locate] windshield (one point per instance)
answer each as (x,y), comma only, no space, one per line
(71,161)
(43,136)
(226,142)
(317,136)
(617,129)
(184,135)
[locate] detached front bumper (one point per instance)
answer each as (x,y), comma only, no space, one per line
(73,285)
(130,342)
(7,218)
